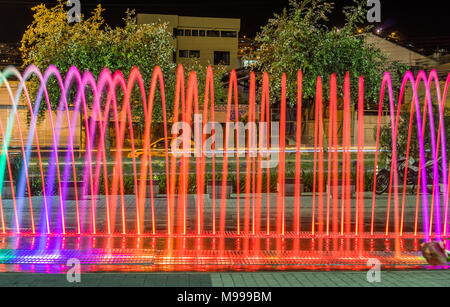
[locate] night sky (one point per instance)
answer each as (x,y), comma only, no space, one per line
(425,22)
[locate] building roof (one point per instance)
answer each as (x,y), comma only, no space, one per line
(400,53)
(192,21)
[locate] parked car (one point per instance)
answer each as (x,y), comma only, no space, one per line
(157,148)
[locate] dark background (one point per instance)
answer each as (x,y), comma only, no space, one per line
(424,22)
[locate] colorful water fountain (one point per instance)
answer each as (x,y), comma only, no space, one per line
(103,225)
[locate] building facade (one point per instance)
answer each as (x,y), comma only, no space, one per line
(212,41)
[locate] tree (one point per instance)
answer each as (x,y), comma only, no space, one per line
(220,92)
(92,45)
(300,39)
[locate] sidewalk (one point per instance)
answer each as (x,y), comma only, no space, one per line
(257,279)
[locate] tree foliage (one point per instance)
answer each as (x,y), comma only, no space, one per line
(299,38)
(220,93)
(93,45)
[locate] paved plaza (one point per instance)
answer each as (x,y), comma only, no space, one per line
(312,278)
(160,209)
(419,278)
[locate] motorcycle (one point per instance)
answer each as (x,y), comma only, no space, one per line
(383,176)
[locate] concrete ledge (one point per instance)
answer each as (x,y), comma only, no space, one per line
(218,188)
(341,188)
(7,192)
(289,187)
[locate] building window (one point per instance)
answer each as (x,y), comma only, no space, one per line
(201,33)
(221,58)
(194,32)
(228,33)
(187,32)
(183,54)
(178,32)
(213,33)
(194,53)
